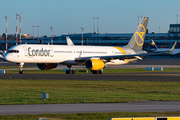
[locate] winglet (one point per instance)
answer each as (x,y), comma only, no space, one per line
(69,41)
(172,49)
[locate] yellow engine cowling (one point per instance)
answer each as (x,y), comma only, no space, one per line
(94,64)
(46,66)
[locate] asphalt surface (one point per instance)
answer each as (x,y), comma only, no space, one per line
(144,106)
(153,76)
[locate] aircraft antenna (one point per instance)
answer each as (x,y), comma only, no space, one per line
(82,36)
(51,35)
(6,31)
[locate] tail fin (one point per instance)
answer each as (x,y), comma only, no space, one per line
(137,39)
(153,45)
(69,41)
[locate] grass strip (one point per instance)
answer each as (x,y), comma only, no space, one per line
(12,67)
(88,116)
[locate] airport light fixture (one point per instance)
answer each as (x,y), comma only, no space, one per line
(82,36)
(38,31)
(94,24)
(177,17)
(33,32)
(6,31)
(51,35)
(19,28)
(97,25)
(16,26)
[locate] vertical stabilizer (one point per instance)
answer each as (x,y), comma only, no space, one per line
(153,45)
(69,41)
(137,39)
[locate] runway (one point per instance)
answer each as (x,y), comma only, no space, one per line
(149,76)
(144,106)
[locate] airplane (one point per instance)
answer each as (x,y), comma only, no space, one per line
(95,58)
(154,48)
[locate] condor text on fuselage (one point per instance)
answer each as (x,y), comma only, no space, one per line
(38,52)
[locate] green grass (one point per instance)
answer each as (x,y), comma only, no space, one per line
(14,91)
(12,67)
(124,70)
(88,116)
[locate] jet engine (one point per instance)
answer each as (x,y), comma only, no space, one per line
(94,64)
(46,66)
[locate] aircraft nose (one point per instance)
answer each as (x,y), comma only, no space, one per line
(7,57)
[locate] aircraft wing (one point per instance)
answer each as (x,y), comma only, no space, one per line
(130,56)
(177,51)
(138,56)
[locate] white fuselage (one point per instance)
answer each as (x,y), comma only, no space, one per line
(64,54)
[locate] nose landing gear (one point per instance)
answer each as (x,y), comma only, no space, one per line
(21,68)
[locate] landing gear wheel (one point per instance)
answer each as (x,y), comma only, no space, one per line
(70,72)
(21,68)
(94,72)
(99,72)
(21,72)
(67,71)
(73,72)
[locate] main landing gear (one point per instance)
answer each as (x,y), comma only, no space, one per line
(96,71)
(21,68)
(70,71)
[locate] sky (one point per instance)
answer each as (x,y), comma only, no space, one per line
(69,16)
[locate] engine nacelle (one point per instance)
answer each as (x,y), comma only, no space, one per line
(94,64)
(46,66)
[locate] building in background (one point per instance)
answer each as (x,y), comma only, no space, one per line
(106,39)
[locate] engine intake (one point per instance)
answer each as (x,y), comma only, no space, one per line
(94,64)
(46,66)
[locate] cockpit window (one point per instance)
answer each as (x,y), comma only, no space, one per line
(13,51)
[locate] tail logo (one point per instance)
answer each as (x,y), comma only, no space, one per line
(152,44)
(139,35)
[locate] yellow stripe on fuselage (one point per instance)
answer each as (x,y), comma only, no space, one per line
(123,52)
